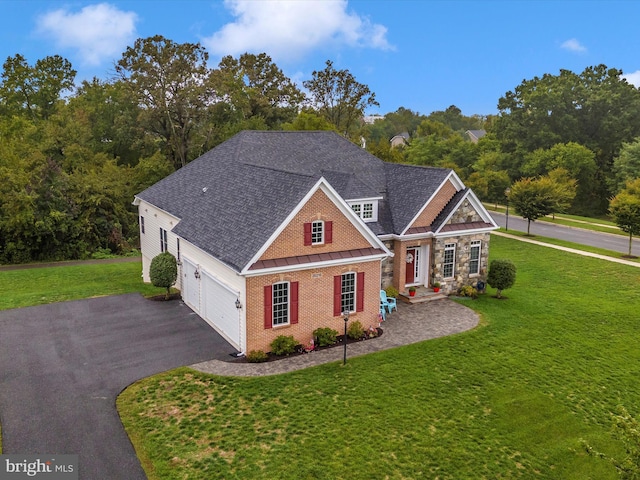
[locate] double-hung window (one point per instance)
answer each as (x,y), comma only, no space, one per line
(280,303)
(317,232)
(348,293)
(449,260)
(348,297)
(474,257)
(164,244)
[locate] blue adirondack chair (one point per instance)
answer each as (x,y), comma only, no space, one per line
(388,302)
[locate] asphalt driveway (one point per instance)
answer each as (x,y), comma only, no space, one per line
(62,366)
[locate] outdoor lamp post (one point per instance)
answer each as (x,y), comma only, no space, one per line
(506,193)
(346,319)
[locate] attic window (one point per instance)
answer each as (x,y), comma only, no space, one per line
(367,210)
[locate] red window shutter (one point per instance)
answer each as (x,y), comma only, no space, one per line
(360,292)
(293,305)
(328,232)
(307,233)
(337,295)
(268,306)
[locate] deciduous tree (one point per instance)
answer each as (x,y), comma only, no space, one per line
(339,97)
(625,209)
(171,82)
(34,90)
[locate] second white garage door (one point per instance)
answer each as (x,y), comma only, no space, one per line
(219,308)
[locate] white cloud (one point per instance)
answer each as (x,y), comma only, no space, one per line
(633,78)
(97,32)
(286,30)
(573,45)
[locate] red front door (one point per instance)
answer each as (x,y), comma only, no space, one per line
(412,258)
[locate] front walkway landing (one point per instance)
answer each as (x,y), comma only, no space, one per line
(410,324)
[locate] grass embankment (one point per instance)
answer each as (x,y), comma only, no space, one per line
(512,398)
(37,286)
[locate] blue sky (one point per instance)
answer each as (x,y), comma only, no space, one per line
(419,54)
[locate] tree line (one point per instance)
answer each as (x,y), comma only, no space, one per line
(72,157)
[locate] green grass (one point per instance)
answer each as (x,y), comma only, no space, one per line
(513,398)
(37,286)
(575,246)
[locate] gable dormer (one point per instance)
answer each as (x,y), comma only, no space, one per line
(365,208)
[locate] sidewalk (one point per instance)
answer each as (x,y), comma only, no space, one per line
(410,324)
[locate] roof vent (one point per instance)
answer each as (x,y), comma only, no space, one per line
(204,189)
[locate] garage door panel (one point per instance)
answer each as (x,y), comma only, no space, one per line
(219,307)
(190,285)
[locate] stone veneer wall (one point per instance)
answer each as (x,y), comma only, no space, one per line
(387,267)
(462,257)
(465,214)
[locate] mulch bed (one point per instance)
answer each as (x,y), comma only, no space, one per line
(300,349)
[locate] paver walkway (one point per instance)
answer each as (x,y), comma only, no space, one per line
(410,324)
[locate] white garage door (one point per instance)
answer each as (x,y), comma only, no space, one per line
(190,285)
(219,308)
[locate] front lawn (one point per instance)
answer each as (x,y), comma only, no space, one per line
(513,398)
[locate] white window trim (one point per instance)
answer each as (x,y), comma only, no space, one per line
(475,244)
(164,241)
(449,247)
(355,291)
(273,305)
(313,225)
(359,209)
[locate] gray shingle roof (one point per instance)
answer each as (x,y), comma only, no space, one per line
(233,198)
(408,188)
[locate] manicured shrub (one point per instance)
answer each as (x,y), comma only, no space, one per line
(391,291)
(468,291)
(283,345)
(502,275)
(325,336)
(163,271)
(355,330)
(257,356)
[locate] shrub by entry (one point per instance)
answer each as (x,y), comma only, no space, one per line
(164,271)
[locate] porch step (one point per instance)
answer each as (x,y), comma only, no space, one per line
(423,294)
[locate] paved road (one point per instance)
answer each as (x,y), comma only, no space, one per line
(616,243)
(62,366)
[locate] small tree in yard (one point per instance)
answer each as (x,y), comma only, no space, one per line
(625,210)
(164,271)
(533,198)
(502,275)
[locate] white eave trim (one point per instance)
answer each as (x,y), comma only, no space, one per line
(364,199)
(460,233)
(312,265)
(138,201)
(321,184)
